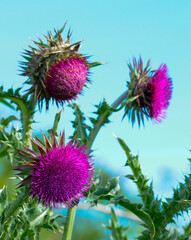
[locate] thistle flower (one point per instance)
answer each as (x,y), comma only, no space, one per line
(160,90)
(153,90)
(57,173)
(55,69)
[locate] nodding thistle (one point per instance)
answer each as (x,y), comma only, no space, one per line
(153,90)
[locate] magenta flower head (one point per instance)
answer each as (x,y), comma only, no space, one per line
(152,89)
(57,173)
(55,69)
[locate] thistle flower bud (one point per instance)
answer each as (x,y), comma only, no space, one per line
(153,90)
(57,173)
(55,69)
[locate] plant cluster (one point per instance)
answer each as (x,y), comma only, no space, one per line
(53,174)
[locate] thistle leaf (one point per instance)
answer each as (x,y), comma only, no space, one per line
(79,125)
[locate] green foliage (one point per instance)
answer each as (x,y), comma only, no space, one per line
(160,213)
(179,203)
(21,217)
(103,111)
(23,105)
(79,125)
(27,221)
(107,192)
(9,141)
(111,194)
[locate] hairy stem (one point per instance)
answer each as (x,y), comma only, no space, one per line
(68,228)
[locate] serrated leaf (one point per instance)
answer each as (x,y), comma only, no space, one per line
(79,125)
(146,192)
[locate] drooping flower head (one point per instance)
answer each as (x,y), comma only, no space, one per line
(55,69)
(57,173)
(153,90)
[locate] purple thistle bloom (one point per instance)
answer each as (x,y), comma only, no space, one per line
(66,78)
(59,174)
(151,90)
(160,87)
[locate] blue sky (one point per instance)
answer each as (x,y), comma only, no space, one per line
(114,32)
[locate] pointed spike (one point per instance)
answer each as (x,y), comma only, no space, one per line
(41,148)
(62,29)
(74,138)
(68,36)
(76,47)
(62,140)
(22,167)
(138,118)
(32,154)
(133,117)
(54,141)
(24,182)
(46,141)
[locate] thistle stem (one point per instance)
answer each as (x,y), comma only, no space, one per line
(102,118)
(28,133)
(68,228)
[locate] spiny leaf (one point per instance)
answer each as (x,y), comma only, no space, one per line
(146,192)
(79,124)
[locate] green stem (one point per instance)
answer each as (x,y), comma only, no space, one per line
(102,118)
(68,228)
(28,132)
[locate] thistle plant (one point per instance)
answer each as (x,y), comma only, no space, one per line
(51,174)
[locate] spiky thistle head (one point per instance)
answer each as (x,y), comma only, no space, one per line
(55,69)
(57,173)
(153,89)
